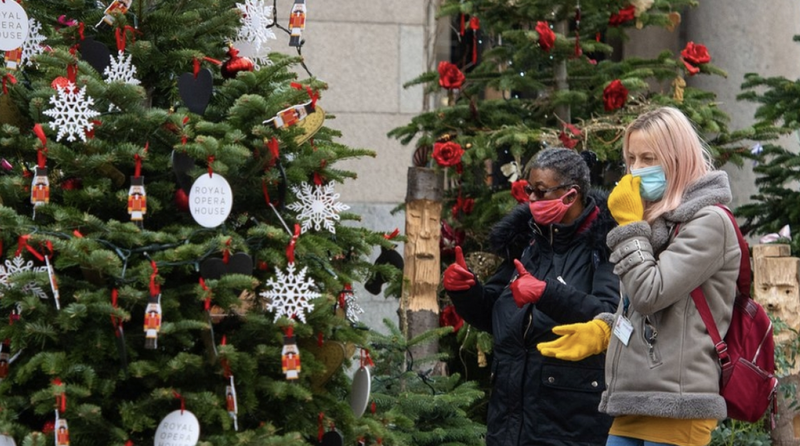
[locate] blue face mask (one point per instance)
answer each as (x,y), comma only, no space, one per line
(654,182)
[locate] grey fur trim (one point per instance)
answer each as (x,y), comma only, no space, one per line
(622,233)
(666,405)
(608,318)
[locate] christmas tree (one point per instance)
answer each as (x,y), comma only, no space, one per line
(525,75)
(174,265)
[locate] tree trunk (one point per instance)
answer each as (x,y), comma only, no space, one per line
(419,310)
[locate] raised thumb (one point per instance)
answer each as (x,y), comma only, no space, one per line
(520,268)
(460,257)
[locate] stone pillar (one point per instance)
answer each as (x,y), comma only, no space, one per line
(742,37)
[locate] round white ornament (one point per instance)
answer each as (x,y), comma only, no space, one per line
(178,429)
(210,200)
(359,397)
(5,440)
(13,25)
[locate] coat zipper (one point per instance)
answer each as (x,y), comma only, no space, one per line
(524,373)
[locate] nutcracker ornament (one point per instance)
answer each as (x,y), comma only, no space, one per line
(40,187)
(137,200)
(291,115)
(13,58)
(62,433)
(297,23)
(116,6)
(290,355)
(152,321)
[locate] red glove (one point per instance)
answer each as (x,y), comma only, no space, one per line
(526,289)
(457,277)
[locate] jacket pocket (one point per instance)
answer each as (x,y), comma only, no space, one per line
(568,399)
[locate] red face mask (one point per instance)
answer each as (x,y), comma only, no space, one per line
(547,212)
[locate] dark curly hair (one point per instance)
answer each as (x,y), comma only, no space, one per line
(568,165)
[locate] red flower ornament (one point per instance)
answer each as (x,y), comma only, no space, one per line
(693,56)
(447,153)
(614,95)
(450,77)
(625,14)
(547,39)
(449,318)
(518,191)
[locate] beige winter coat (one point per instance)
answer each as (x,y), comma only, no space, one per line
(678,377)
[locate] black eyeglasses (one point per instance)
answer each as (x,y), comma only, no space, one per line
(540,193)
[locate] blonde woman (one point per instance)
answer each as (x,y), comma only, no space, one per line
(662,374)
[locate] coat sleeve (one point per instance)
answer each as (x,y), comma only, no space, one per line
(567,305)
(475,305)
(699,250)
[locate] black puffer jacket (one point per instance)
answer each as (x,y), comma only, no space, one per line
(538,400)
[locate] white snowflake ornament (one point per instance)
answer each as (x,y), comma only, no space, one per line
(256,17)
(317,206)
(17,266)
(290,295)
(121,70)
(71,111)
(33,44)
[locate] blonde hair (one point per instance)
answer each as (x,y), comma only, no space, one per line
(682,154)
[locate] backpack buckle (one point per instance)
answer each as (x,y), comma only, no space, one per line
(722,353)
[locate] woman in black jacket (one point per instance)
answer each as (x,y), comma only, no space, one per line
(555,271)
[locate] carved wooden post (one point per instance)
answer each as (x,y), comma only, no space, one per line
(776,276)
(419,310)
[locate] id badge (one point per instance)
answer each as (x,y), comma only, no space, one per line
(623,329)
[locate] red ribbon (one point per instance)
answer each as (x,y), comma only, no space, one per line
(365,358)
(41,154)
(289,331)
(226,253)
(183,402)
(319,339)
(121,34)
(72,72)
(317,179)
(226,367)
(474,25)
(61,398)
(311,93)
(273,146)
(138,169)
(77,233)
(321,430)
(22,242)
(115,321)
(207,304)
(264,188)
(196,65)
(155,287)
(292,243)
(210,170)
(373,407)
(461,28)
(9,77)
(80,30)
(392,235)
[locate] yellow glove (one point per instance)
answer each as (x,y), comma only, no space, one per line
(625,201)
(577,341)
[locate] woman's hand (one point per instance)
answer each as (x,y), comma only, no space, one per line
(577,341)
(526,289)
(457,276)
(625,201)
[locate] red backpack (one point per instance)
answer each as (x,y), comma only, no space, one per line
(747,354)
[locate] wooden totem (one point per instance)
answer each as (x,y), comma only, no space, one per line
(422,269)
(775,286)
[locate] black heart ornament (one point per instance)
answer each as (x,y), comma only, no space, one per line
(196,91)
(239,263)
(96,54)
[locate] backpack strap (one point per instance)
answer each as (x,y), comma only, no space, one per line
(743,287)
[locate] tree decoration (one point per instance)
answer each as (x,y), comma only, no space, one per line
(33,44)
(290,355)
(256,21)
(450,77)
(235,64)
(624,15)
(547,38)
(297,23)
(137,196)
(447,153)
(614,95)
(290,295)
(317,205)
(18,265)
(116,7)
(40,185)
(693,56)
(72,112)
(348,301)
(120,68)
(14,23)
